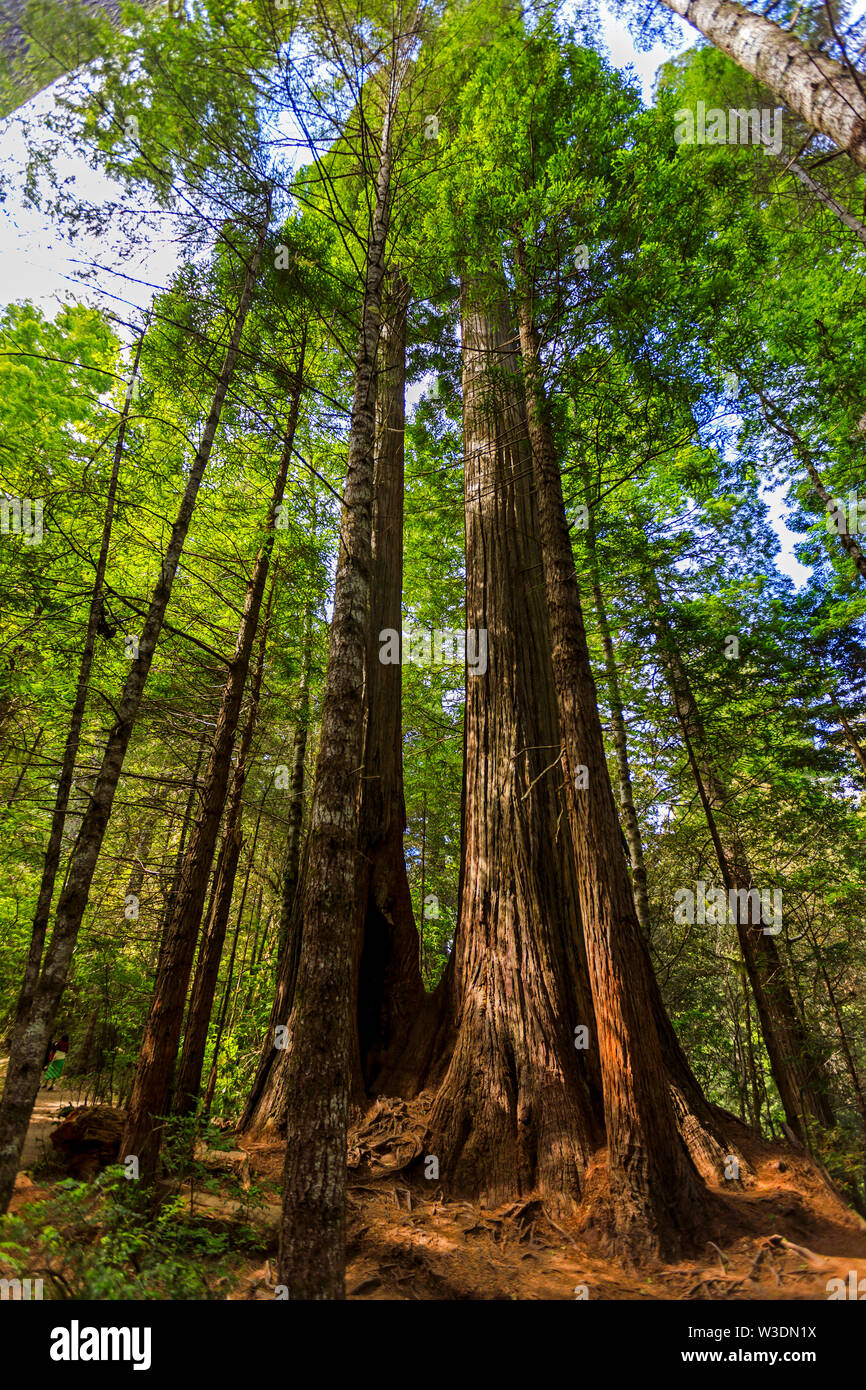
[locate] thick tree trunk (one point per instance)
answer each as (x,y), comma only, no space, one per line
(153,1078)
(389,988)
(519,1109)
(188,1080)
(312,1254)
(22,1080)
(799,1079)
(658,1199)
(73,738)
(817,87)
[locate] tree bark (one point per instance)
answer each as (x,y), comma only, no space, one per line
(188,1080)
(705,1129)
(659,1204)
(153,1078)
(312,1252)
(265,1107)
(814,85)
(294,829)
(389,988)
(620,736)
(519,1109)
(22,1080)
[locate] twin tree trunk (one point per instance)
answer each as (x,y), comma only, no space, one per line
(519,1109)
(25,1064)
(388,991)
(657,1196)
(153,1078)
(798,1076)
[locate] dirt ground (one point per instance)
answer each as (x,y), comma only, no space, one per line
(782,1236)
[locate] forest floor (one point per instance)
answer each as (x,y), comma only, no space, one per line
(782,1235)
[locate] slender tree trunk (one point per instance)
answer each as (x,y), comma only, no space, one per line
(851,1065)
(265,1108)
(657,1196)
(73,737)
(854,742)
(802,452)
(800,1082)
(825,197)
(22,1080)
(423,883)
(817,87)
(188,812)
(188,1080)
(312,1253)
(152,1088)
(294,829)
(519,1109)
(223,1012)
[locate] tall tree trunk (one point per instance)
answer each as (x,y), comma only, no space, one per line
(188,1079)
(22,1080)
(817,87)
(312,1252)
(799,1079)
(73,737)
(519,1109)
(657,1197)
(153,1078)
(389,988)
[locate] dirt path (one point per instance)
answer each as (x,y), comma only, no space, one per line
(46,1114)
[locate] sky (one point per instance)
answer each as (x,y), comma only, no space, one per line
(37,262)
